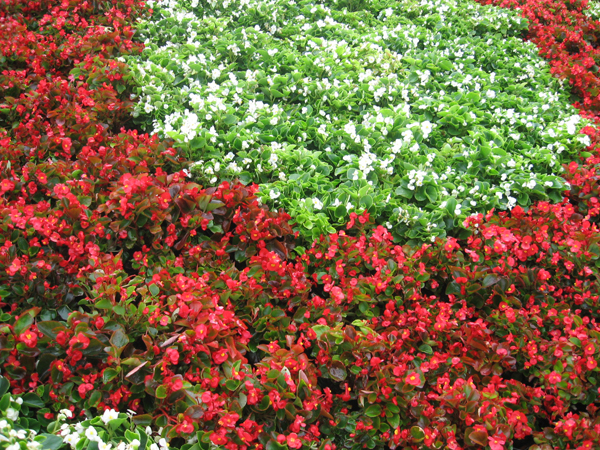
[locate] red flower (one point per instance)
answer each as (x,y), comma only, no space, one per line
(61,338)
(80,338)
(84,388)
(219,437)
(337,295)
(220,356)
(543,275)
(6,185)
(497,441)
(293,441)
(229,420)
(554,377)
(413,378)
(29,338)
(172,355)
(201,331)
(66,144)
(185,427)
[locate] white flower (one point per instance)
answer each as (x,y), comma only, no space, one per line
(153,447)
(317,204)
(134,444)
(33,445)
(163,443)
(19,401)
(91,434)
(14,446)
(149,431)
(71,439)
(12,414)
(68,414)
(426,128)
(274,195)
(18,434)
(3,424)
(104,446)
(109,414)
(584,139)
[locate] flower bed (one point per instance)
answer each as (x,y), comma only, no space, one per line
(126,286)
(421,113)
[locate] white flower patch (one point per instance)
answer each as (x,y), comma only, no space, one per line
(399,117)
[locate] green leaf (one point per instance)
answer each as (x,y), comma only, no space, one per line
(366,201)
(426,349)
(446,64)
(4,402)
(103,303)
(340,211)
(373,411)
(25,320)
(407,193)
(479,437)
(154,290)
(4,385)
(337,370)
(432,193)
(119,338)
(50,441)
(490,280)
(451,205)
(230,119)
(30,399)
(161,392)
(417,433)
(142,420)
(108,375)
(276,94)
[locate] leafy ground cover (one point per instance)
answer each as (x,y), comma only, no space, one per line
(421,113)
(125,286)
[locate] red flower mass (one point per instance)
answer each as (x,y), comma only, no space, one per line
(127,286)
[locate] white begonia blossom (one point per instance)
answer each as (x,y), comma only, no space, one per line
(91,434)
(108,415)
(33,445)
(71,439)
(12,414)
(426,128)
